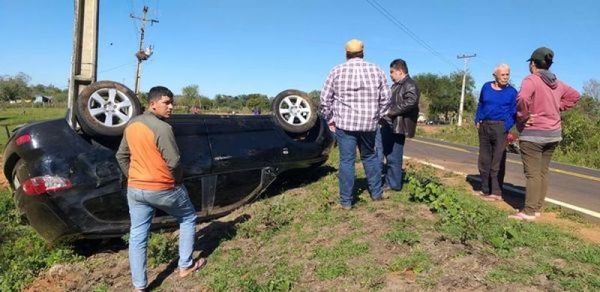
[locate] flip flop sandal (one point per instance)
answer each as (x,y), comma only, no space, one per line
(196,266)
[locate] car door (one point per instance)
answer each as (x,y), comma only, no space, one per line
(196,159)
(245,150)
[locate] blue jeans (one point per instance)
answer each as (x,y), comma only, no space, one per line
(379,145)
(393,149)
(347,142)
(142,203)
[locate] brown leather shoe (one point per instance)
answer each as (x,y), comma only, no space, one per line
(184,272)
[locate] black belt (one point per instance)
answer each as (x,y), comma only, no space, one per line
(492,122)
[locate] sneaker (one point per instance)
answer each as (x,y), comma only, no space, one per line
(522,216)
(184,272)
(380,198)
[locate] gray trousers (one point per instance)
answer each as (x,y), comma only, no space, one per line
(492,139)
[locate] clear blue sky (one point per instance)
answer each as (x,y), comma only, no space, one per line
(265,46)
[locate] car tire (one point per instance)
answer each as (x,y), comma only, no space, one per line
(16,183)
(105,107)
(294,111)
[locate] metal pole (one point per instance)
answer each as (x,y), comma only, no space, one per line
(138,71)
(462,93)
(139,63)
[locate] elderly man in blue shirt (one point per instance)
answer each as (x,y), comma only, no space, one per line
(494,118)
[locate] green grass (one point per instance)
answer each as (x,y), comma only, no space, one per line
(417,261)
(348,259)
(466,135)
(102,287)
(399,236)
(332,261)
(11,117)
(467,220)
(22,251)
(301,240)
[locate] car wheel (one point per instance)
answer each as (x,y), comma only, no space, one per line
(104,108)
(294,111)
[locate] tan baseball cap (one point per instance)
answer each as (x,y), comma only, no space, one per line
(354,46)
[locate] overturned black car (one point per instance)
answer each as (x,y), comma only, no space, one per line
(67,183)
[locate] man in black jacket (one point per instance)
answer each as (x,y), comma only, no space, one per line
(400,122)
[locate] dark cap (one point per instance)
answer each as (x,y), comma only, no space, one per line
(540,54)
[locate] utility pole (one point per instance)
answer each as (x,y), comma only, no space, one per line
(84,58)
(142,54)
(462,93)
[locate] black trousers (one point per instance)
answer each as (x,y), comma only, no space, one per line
(492,155)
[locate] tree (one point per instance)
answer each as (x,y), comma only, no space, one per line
(315,96)
(257,100)
(189,96)
(57,94)
(592,88)
(206,103)
(443,92)
(456,78)
(14,87)
(190,91)
(428,83)
(228,102)
(589,107)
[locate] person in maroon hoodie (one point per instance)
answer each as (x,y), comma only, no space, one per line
(539,103)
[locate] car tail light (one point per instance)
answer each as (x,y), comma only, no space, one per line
(45,184)
(23,139)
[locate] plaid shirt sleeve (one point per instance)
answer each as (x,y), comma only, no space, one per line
(385,96)
(326,98)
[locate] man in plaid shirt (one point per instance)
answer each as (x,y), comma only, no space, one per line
(353,100)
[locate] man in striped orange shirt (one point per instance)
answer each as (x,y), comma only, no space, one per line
(149,157)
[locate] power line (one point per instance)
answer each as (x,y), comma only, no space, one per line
(383,11)
(116,67)
(133,23)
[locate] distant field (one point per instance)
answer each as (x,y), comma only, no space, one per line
(13,116)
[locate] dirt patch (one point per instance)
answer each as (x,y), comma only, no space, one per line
(431,129)
(103,271)
(3,181)
(586,231)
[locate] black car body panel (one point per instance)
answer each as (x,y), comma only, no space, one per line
(227,161)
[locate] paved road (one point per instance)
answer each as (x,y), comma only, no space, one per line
(576,188)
